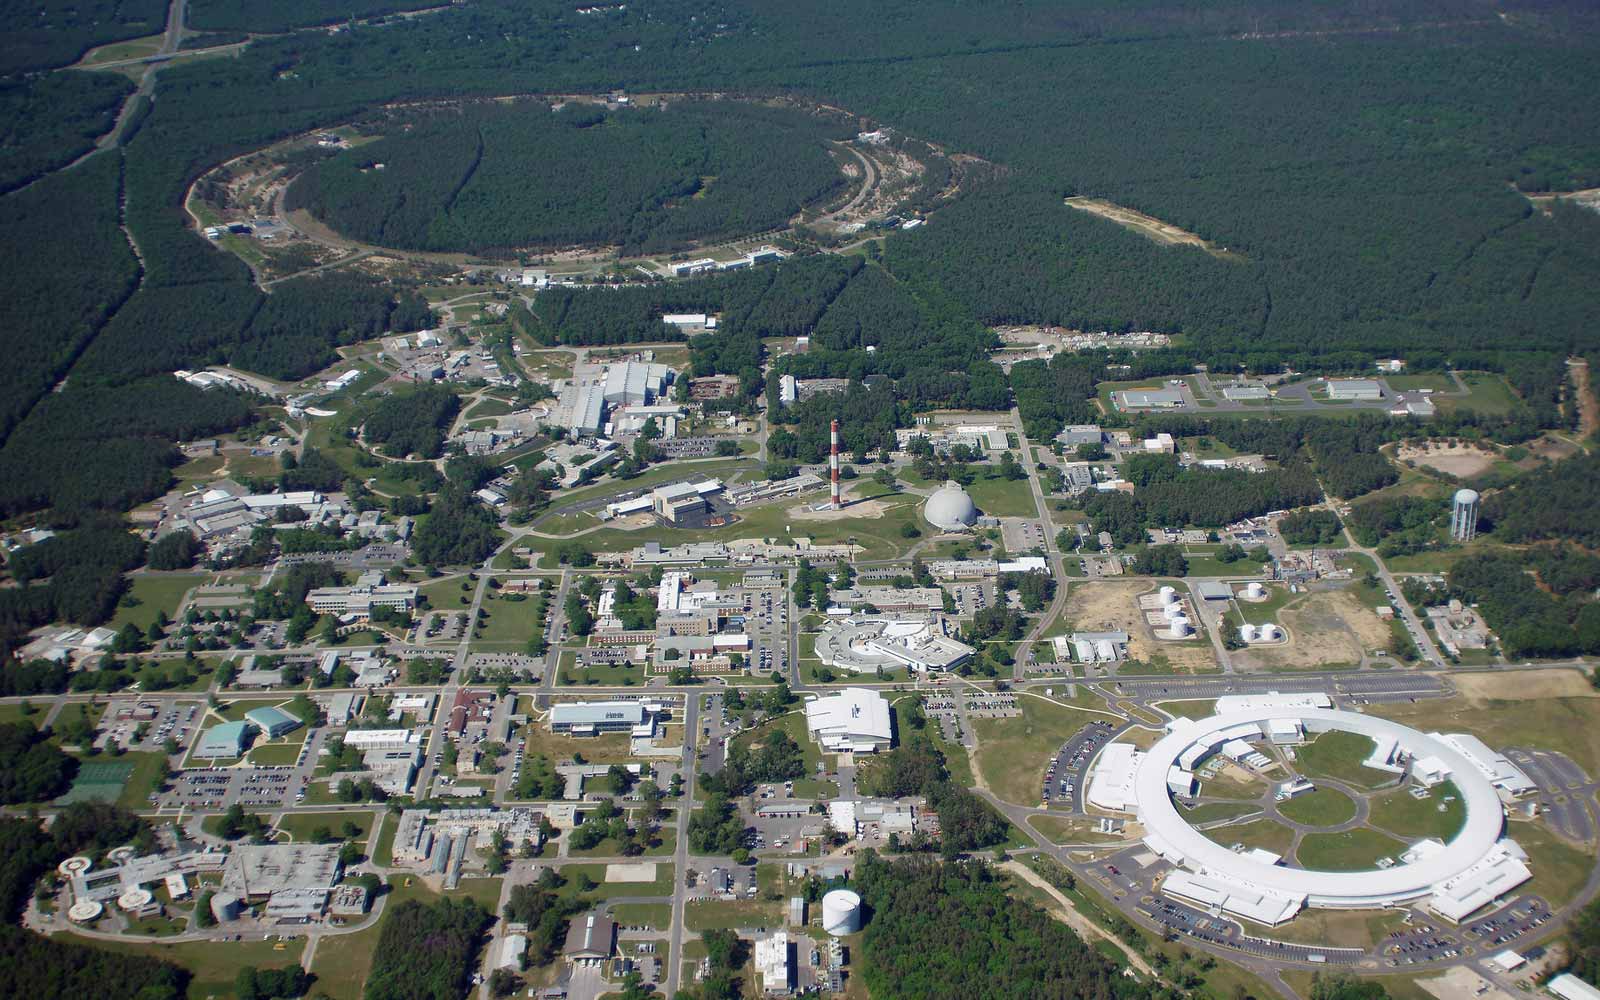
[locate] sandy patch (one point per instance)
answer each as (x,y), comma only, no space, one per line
(852,509)
(1524,685)
(1461,459)
(641,872)
(1106,606)
(1325,628)
(1463,981)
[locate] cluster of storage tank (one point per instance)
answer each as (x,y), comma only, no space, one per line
(1178,624)
(1260,633)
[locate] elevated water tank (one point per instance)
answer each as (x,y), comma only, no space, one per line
(225,907)
(1247,633)
(841,912)
(1255,591)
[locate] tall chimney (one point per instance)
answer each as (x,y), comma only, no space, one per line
(833,464)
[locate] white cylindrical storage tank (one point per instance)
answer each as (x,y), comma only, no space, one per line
(1247,633)
(1255,591)
(1104,651)
(135,899)
(1271,633)
(1173,612)
(84,911)
(225,907)
(841,912)
(1169,595)
(1180,628)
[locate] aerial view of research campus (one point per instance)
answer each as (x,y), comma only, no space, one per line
(855,499)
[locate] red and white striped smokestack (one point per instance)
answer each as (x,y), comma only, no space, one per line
(833,464)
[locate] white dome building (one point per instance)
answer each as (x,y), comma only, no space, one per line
(950,508)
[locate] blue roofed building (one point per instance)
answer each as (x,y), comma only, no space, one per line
(273,721)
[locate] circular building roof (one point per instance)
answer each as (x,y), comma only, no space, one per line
(1465,496)
(1484,823)
(950,508)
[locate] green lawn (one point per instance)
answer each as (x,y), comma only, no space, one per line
(301,825)
(1012,753)
(150,593)
(1355,850)
(275,754)
(1263,833)
(215,966)
(507,622)
(1319,807)
(657,915)
(998,497)
(1338,755)
(1400,814)
(1559,870)
(718,914)
(662,886)
(1211,811)
(1490,394)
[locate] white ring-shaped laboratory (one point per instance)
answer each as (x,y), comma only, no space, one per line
(1477,866)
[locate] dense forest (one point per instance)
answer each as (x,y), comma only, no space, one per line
(493,177)
(425,952)
(924,939)
(47,122)
(412,421)
(285,15)
(44,33)
(75,576)
(1556,503)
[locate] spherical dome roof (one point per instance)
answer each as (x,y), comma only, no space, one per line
(950,508)
(1465,496)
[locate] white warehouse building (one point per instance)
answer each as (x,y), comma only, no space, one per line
(855,720)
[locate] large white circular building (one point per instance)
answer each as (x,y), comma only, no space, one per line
(950,508)
(1456,878)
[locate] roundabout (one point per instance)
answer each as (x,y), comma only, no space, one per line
(1454,878)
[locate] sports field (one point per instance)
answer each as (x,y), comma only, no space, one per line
(98,782)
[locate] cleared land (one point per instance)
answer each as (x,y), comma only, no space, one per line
(1439,814)
(1145,225)
(1326,629)
(1110,605)
(1461,460)
(1012,753)
(1563,724)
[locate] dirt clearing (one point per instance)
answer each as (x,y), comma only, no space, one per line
(1524,685)
(1147,226)
(1326,628)
(1460,459)
(1105,607)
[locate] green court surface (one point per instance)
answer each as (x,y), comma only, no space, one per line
(98,782)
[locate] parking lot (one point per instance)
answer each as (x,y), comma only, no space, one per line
(1064,777)
(767,624)
(1507,925)
(221,787)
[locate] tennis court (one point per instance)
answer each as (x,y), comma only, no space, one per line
(98,782)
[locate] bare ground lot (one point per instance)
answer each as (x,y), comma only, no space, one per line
(1108,606)
(1148,226)
(1524,685)
(1461,459)
(1325,628)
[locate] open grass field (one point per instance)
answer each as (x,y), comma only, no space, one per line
(1355,850)
(605,748)
(1209,812)
(1319,807)
(1012,753)
(999,497)
(657,915)
(213,966)
(1559,869)
(151,593)
(1439,815)
(1563,724)
(301,826)
(1266,834)
(1490,394)
(718,914)
(508,623)
(1339,755)
(1071,830)
(1341,928)
(99,781)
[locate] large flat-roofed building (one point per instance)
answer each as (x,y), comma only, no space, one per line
(772,962)
(590,718)
(368,593)
(1359,389)
(1149,399)
(589,938)
(588,412)
(635,383)
(1079,434)
(855,720)
(227,739)
(911,600)
(273,721)
(871,644)
(1240,393)
(1570,987)
(255,871)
